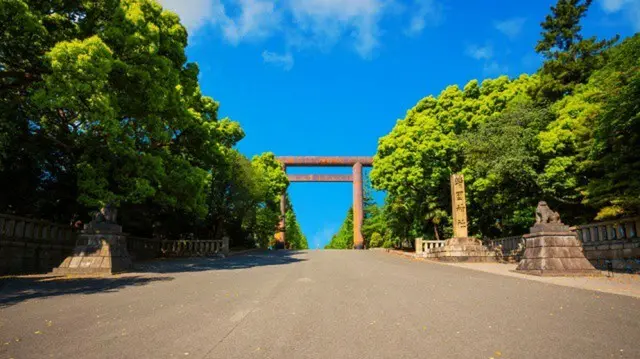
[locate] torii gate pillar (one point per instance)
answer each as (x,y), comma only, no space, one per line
(358,240)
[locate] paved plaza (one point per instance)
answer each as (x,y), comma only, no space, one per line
(312,304)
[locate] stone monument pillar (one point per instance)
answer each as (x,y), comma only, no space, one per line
(459,206)
(101,247)
(460,248)
(551,249)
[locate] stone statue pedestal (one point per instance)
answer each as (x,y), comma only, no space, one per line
(101,248)
(461,249)
(551,253)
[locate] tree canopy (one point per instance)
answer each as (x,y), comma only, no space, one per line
(98,105)
(567,134)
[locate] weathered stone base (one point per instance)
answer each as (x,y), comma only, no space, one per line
(97,253)
(555,254)
(461,250)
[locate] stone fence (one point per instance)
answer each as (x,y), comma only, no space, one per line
(31,245)
(424,245)
(615,242)
(511,247)
(36,246)
(148,248)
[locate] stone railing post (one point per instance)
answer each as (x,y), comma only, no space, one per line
(225,245)
(419,246)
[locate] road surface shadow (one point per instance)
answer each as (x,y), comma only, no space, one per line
(200,264)
(14,290)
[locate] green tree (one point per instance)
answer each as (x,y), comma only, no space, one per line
(413,162)
(502,166)
(591,146)
(570,58)
(294,237)
(614,160)
(105,107)
(376,240)
(343,239)
(99,106)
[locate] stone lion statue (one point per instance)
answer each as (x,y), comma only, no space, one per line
(107,214)
(544,214)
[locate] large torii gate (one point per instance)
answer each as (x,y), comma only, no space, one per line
(313,161)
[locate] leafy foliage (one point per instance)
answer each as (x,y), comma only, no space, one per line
(293,233)
(99,106)
(570,58)
(568,134)
(593,143)
(415,160)
(343,239)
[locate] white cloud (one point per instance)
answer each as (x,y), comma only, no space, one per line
(282,60)
(256,19)
(193,13)
(304,23)
(486,56)
(613,5)
(630,8)
(494,68)
(426,13)
(253,19)
(326,21)
(510,27)
(480,52)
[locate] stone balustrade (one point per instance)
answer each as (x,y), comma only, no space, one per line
(612,242)
(618,230)
(424,245)
(147,248)
(30,245)
(511,248)
(191,248)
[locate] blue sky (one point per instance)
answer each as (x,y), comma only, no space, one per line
(329,77)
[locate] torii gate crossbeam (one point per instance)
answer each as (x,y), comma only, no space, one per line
(333,161)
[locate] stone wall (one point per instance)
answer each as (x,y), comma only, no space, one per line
(35,246)
(511,248)
(32,246)
(612,242)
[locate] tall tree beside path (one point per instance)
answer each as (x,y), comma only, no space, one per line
(413,162)
(103,93)
(98,105)
(570,58)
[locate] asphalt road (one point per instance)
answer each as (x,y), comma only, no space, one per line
(316,304)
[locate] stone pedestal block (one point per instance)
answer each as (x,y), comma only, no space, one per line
(100,249)
(465,249)
(554,254)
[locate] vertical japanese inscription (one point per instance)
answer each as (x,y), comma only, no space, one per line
(458,206)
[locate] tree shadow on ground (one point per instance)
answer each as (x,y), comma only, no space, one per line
(17,289)
(201,264)
(14,290)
